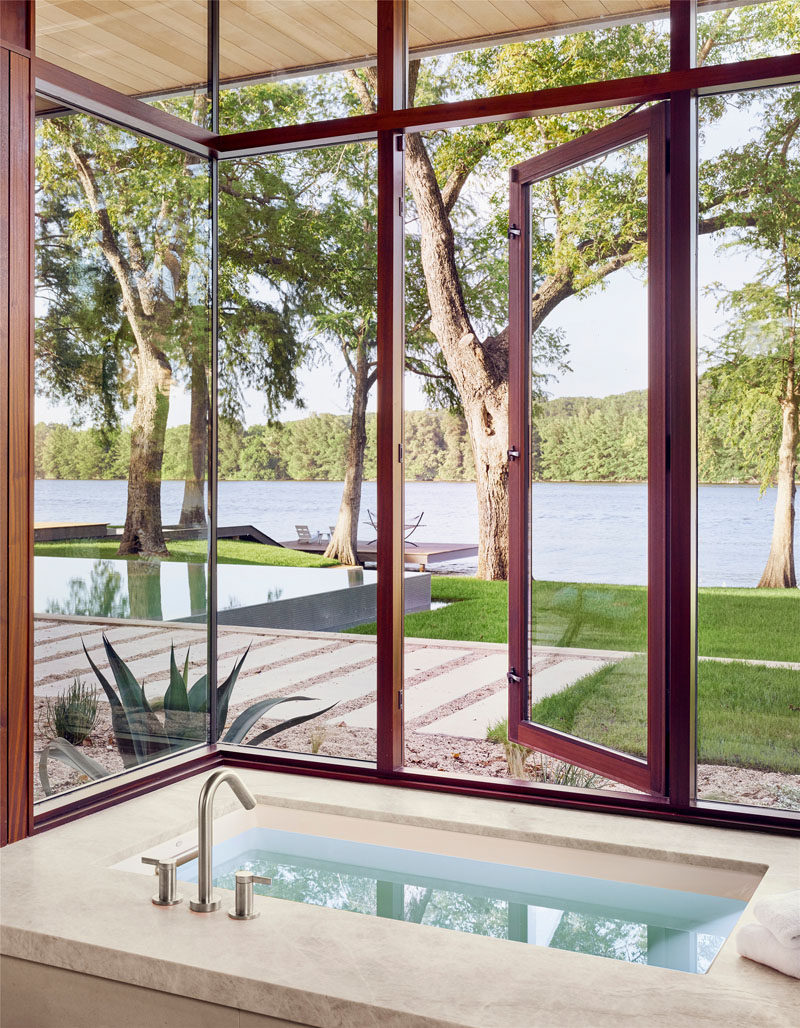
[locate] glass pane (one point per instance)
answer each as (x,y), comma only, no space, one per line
(589,456)
(297,460)
(456,654)
(456,658)
(748,603)
(121,443)
(745,31)
(471,49)
(284,63)
(148,49)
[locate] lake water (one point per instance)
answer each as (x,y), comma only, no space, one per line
(589,533)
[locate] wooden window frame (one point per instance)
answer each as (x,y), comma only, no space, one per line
(648,774)
(20,70)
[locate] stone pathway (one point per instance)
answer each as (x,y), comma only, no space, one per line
(326,666)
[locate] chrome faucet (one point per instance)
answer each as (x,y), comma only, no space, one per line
(206,900)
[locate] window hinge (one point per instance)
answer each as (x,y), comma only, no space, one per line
(401,143)
(400,206)
(514,232)
(512,676)
(513,453)
(400,699)
(399,453)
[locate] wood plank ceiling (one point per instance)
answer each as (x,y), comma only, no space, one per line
(143,47)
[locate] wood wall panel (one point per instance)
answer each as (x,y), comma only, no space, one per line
(16,520)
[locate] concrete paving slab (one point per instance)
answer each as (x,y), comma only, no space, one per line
(54,648)
(76,663)
(59,629)
(415,661)
(265,650)
(419,699)
(559,676)
(472,722)
(341,688)
(297,674)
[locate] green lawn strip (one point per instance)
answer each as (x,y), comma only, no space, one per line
(747,715)
(748,624)
(189,551)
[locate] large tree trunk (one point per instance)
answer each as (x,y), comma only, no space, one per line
(479,369)
(193,509)
(343,545)
(143,532)
(779,572)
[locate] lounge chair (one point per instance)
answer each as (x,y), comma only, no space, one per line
(408,529)
(305,537)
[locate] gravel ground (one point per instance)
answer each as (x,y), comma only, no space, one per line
(436,753)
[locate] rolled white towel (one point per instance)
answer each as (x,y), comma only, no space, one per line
(781,914)
(756,942)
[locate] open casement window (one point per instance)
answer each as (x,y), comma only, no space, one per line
(586,210)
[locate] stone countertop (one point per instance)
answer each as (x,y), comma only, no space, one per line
(64,905)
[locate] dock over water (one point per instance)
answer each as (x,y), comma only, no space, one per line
(422,554)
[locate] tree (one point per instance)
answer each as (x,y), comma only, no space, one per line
(129,202)
(122,263)
(751,197)
(585,226)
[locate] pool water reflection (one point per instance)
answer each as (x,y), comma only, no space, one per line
(624,921)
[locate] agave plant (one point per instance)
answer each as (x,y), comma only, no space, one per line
(141,735)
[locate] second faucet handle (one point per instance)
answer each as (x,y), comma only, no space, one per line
(243,896)
(166,868)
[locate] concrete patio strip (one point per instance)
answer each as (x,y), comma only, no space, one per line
(427,657)
(59,629)
(472,722)
(434,692)
(76,663)
(65,646)
(557,677)
(268,650)
(342,688)
(298,673)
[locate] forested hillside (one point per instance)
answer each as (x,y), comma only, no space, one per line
(576,439)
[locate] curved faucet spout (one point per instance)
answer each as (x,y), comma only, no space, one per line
(206,901)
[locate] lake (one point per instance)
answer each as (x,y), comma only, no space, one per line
(581,532)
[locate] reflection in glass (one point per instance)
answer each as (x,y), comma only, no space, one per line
(297,461)
(121,377)
(589,454)
(748,734)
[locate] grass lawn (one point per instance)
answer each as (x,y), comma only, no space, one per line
(747,715)
(188,551)
(743,623)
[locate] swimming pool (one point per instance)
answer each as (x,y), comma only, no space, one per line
(312,599)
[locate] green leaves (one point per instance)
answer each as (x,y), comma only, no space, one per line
(139,733)
(245,721)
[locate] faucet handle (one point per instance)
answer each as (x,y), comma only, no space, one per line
(166,868)
(243,896)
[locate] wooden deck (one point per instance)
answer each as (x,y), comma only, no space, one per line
(422,554)
(53,531)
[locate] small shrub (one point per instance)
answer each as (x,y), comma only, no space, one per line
(316,737)
(516,755)
(73,714)
(546,769)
